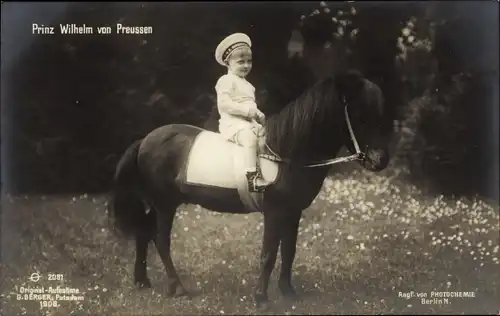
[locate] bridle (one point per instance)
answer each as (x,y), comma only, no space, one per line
(359,155)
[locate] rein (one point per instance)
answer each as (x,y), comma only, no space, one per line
(359,155)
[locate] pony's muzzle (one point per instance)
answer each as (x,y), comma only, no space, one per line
(376,159)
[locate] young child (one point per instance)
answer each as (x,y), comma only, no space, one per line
(240,119)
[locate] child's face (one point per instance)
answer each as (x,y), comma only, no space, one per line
(240,62)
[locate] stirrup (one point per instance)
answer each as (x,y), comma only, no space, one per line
(252,185)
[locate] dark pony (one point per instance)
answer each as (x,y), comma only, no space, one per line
(344,110)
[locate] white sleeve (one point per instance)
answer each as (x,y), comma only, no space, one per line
(225,104)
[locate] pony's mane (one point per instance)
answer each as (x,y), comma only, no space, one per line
(295,123)
(310,118)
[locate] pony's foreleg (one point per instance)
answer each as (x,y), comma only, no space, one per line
(162,242)
(268,256)
(288,248)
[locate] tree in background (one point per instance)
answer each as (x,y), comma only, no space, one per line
(437,71)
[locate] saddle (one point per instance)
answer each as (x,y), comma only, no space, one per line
(214,161)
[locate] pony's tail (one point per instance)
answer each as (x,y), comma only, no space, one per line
(126,210)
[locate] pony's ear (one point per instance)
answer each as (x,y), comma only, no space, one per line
(349,83)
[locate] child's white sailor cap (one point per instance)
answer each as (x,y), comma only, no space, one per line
(229,44)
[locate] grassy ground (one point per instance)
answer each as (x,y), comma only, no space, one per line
(365,241)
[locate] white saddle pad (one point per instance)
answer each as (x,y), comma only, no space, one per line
(214,161)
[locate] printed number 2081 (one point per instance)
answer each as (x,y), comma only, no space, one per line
(55,277)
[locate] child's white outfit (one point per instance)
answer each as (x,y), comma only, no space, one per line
(235,98)
(235,101)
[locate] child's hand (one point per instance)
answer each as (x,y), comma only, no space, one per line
(259,116)
(254,114)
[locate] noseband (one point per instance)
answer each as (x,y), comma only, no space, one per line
(359,155)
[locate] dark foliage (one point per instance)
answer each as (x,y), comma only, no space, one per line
(72,104)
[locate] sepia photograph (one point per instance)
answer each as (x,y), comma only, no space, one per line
(250,158)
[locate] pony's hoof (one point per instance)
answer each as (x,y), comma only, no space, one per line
(182,292)
(290,295)
(263,307)
(177,290)
(288,292)
(262,303)
(143,284)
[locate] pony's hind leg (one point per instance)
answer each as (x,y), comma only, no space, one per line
(140,272)
(162,241)
(142,239)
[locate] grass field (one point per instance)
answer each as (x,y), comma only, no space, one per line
(366,241)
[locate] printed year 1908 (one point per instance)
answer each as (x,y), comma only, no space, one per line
(55,277)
